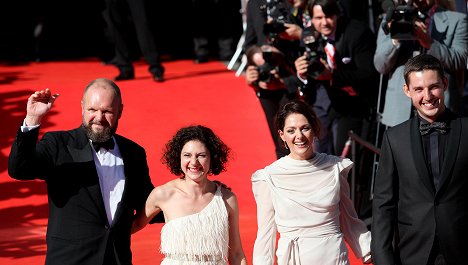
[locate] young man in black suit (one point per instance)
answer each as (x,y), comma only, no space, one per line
(421,188)
(96,179)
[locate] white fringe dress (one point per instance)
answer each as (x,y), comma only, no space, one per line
(198,239)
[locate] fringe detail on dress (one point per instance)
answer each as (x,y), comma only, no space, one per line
(201,238)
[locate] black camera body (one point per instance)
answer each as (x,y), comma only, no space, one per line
(402,20)
(278,12)
(264,70)
(314,50)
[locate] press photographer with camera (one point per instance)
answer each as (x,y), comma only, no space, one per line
(342,65)
(267,73)
(278,23)
(411,28)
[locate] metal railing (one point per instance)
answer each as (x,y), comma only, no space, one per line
(353,140)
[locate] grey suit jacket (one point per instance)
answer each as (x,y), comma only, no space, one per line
(450,46)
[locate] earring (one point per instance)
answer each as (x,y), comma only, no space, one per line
(285,145)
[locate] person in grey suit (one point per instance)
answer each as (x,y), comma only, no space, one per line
(96,180)
(445,36)
(421,188)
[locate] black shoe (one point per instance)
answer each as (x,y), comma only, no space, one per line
(125,76)
(201,59)
(158,75)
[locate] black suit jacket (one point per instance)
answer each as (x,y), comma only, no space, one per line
(410,208)
(78,231)
(355,47)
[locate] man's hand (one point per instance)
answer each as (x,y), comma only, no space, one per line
(251,75)
(301,65)
(292,32)
(39,104)
(422,34)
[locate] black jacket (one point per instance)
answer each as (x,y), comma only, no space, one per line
(78,231)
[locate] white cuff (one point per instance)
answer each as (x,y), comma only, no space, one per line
(26,128)
(302,80)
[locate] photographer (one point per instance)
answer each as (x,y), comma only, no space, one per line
(267,73)
(346,70)
(278,23)
(405,33)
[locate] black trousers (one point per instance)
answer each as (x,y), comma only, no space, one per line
(116,15)
(271,102)
(217,20)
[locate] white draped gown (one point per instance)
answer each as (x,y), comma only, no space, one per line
(307,202)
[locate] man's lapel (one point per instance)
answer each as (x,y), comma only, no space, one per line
(82,152)
(418,154)
(451,152)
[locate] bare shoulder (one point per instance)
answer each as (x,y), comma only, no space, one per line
(229,197)
(163,193)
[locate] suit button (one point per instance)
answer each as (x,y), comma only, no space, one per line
(106,227)
(436,203)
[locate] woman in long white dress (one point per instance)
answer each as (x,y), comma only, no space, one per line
(202,216)
(305,197)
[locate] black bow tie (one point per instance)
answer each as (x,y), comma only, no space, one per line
(426,128)
(109,144)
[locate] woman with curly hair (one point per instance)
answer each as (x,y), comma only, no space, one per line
(202,216)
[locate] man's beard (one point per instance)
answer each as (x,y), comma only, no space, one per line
(99,137)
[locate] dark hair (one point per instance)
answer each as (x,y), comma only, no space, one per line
(298,107)
(329,7)
(250,52)
(108,82)
(277,57)
(423,62)
(219,152)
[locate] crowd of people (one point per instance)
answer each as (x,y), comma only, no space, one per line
(331,59)
(315,70)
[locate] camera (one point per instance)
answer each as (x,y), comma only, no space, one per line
(277,13)
(314,51)
(402,19)
(264,70)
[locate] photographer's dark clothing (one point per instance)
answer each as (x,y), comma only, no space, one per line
(255,33)
(355,47)
(354,85)
(271,101)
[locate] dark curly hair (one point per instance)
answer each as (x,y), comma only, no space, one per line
(219,152)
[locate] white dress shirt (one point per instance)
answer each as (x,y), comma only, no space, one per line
(110,169)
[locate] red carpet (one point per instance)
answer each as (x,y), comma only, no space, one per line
(206,94)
